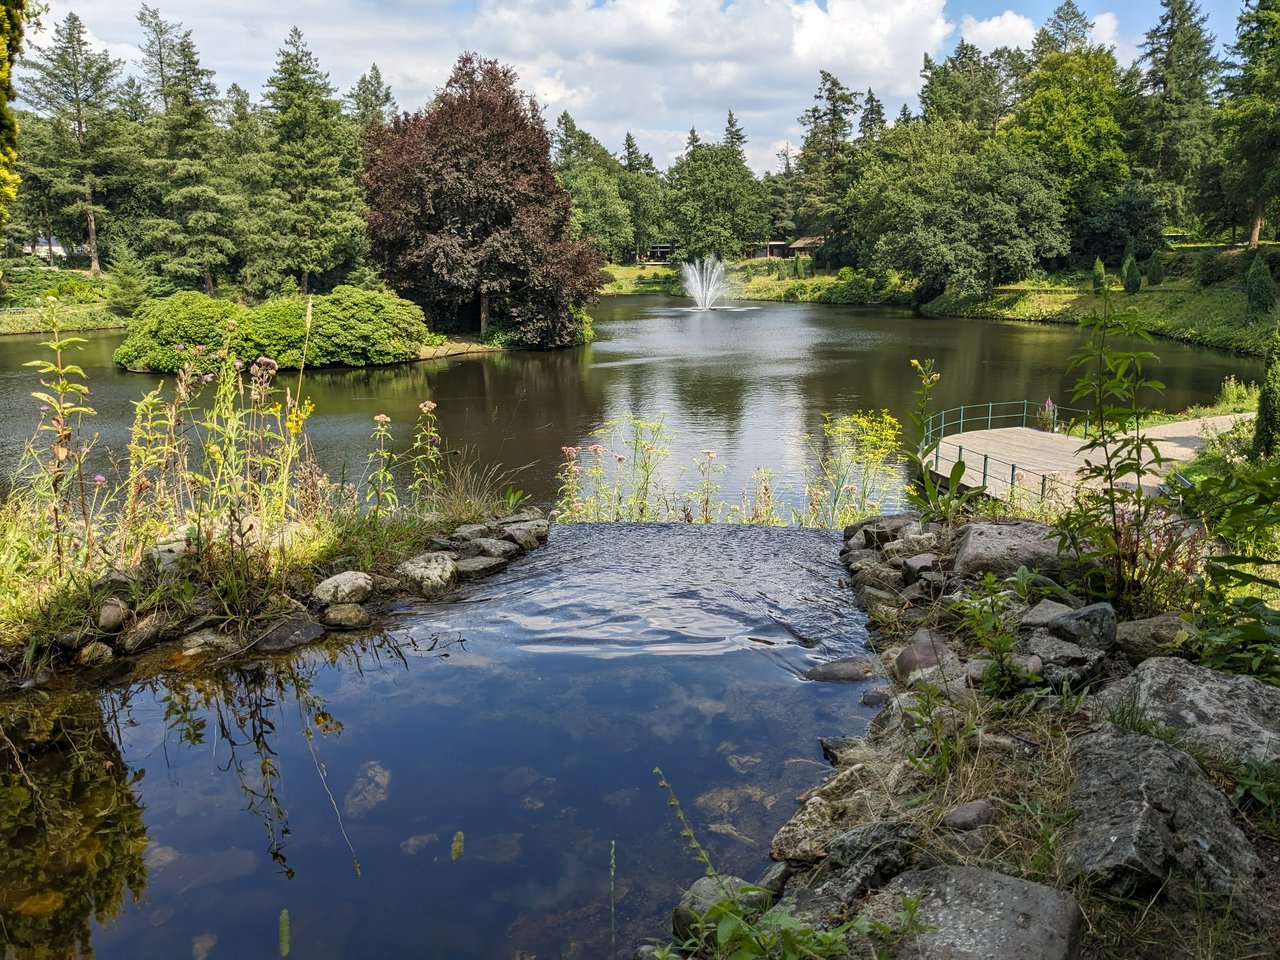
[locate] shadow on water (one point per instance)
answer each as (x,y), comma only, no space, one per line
(516,725)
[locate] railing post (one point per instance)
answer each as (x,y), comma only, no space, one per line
(937,456)
(1013,476)
(1044,484)
(960,429)
(986,457)
(1024,413)
(989,406)
(1054,426)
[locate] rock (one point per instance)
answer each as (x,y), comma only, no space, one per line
(886,521)
(844,670)
(868,857)
(646,951)
(527,515)
(832,747)
(166,554)
(71,640)
(853,543)
(1231,715)
(113,615)
(428,575)
(705,893)
(208,640)
(1001,548)
(1030,666)
(881,530)
(874,573)
(875,697)
(472,531)
(775,877)
(521,536)
(292,631)
(474,567)
(349,587)
(911,544)
(804,838)
(346,616)
(928,648)
(503,549)
(967,913)
(145,633)
(539,528)
(1139,640)
(1064,663)
(371,786)
(1092,627)
(1150,819)
(970,816)
(914,567)
(1042,613)
(881,604)
(94,654)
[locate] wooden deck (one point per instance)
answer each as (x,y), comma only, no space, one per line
(1037,463)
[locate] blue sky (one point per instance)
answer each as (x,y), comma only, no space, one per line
(654,67)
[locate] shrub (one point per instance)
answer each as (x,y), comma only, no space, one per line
(1155,270)
(1131,275)
(277,329)
(358,327)
(1260,289)
(127,287)
(1099,275)
(164,334)
(1266,428)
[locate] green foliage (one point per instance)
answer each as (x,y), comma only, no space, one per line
(1260,290)
(1131,275)
(857,466)
(26,286)
(1099,275)
(1266,427)
(949,501)
(128,286)
(1155,270)
(985,616)
(715,205)
(188,327)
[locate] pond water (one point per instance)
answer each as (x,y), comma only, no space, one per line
(517,725)
(750,382)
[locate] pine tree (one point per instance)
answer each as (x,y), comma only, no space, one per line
(1099,275)
(72,85)
(370,100)
(1155,270)
(825,162)
(1249,116)
(1266,427)
(734,136)
(310,217)
(128,286)
(1131,275)
(904,115)
(872,122)
(1067,30)
(1260,289)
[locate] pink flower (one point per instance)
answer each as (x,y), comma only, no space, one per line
(99,479)
(619,457)
(382,418)
(426,406)
(596,449)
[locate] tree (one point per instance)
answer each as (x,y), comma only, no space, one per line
(1175,122)
(1266,427)
(466,217)
(593,178)
(1099,275)
(1130,220)
(128,286)
(1251,113)
(972,86)
(825,162)
(312,212)
(370,100)
(1067,30)
(72,85)
(1155,270)
(12,17)
(735,138)
(872,122)
(715,205)
(641,190)
(1131,275)
(1260,289)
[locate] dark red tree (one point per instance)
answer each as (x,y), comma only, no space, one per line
(466,217)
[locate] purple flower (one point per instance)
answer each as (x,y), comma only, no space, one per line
(99,479)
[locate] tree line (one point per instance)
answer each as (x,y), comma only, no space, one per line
(473,208)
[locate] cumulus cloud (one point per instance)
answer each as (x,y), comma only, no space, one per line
(1007,29)
(654,67)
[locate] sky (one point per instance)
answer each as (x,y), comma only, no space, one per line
(651,67)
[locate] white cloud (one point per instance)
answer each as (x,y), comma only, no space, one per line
(1106,31)
(1007,29)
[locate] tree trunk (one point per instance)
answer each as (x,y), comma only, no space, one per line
(305,287)
(91,223)
(1255,224)
(208,281)
(484,312)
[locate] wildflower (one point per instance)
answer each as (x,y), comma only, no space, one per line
(200,348)
(426,406)
(239,364)
(709,454)
(619,457)
(44,408)
(180,347)
(382,418)
(596,449)
(207,378)
(231,325)
(99,479)
(569,452)
(915,364)
(434,440)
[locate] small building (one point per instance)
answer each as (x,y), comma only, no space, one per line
(658,253)
(779,249)
(807,244)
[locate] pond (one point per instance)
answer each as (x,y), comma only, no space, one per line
(749,382)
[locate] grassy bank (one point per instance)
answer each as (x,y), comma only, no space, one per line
(773,280)
(75,317)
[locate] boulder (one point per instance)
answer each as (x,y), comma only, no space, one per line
(539,528)
(349,587)
(1064,663)
(868,857)
(844,670)
(705,893)
(915,567)
(874,573)
(113,615)
(503,549)
(474,567)
(1042,613)
(1151,820)
(875,697)
(970,816)
(885,523)
(1139,640)
(911,545)
(527,515)
(428,575)
(804,838)
(346,616)
(521,536)
(928,648)
(1231,715)
(473,531)
(147,632)
(1001,548)
(967,913)
(292,631)
(94,654)
(1092,627)
(832,747)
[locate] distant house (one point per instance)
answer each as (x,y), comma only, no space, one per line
(807,244)
(774,248)
(45,248)
(658,253)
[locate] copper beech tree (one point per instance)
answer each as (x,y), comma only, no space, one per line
(466,217)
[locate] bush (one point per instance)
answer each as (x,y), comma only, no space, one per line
(27,286)
(1260,289)
(1099,275)
(164,334)
(358,327)
(277,329)
(1131,275)
(1155,270)
(1266,428)
(127,287)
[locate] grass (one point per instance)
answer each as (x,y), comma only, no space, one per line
(87,316)
(233,483)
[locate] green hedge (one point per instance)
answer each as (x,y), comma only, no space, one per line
(26,286)
(349,327)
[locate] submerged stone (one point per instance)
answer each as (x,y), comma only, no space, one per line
(844,670)
(346,616)
(353,586)
(371,787)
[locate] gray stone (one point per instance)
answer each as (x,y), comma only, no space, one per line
(1064,663)
(921,563)
(527,515)
(208,640)
(428,575)
(503,549)
(147,632)
(646,951)
(346,616)
(911,544)
(875,697)
(882,604)
(928,648)
(1029,666)
(288,633)
(539,528)
(844,670)
(775,877)
(890,522)
(804,838)
(1139,640)
(167,554)
(473,531)
(1150,819)
(855,542)
(1001,548)
(972,914)
(874,573)
(1042,613)
(1231,715)
(832,747)
(521,536)
(370,789)
(868,857)
(94,654)
(1092,627)
(113,615)
(705,893)
(473,567)
(70,640)
(970,816)
(349,587)
(887,529)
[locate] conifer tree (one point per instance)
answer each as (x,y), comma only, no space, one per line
(1266,426)
(1155,270)
(1260,289)
(370,100)
(1131,275)
(128,286)
(872,123)
(1249,115)
(1099,275)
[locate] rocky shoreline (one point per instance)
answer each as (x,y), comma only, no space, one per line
(1036,816)
(348,600)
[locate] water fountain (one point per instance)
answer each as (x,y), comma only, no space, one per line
(704,281)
